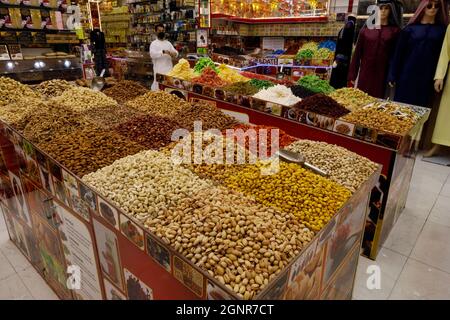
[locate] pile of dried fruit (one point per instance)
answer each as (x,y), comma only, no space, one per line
(352,98)
(261,84)
(322,104)
(229,75)
(44,124)
(210,116)
(311,198)
(11,91)
(238,241)
(244,88)
(53,88)
(125,90)
(278,94)
(150,131)
(146,183)
(315,84)
(108,117)
(301,92)
(210,78)
(81,99)
(182,70)
(87,150)
(342,166)
(159,103)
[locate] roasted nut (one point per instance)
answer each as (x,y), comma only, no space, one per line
(11,91)
(53,88)
(125,90)
(81,99)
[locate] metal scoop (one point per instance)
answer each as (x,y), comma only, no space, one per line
(98,82)
(289,156)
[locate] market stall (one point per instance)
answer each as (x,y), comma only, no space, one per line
(382,131)
(85,188)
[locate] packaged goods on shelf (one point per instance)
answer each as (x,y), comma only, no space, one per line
(182,70)
(125,90)
(384,116)
(322,104)
(209,77)
(230,75)
(108,117)
(146,183)
(278,94)
(87,150)
(53,88)
(150,131)
(81,99)
(342,166)
(315,84)
(257,232)
(54,120)
(159,103)
(11,91)
(352,98)
(311,198)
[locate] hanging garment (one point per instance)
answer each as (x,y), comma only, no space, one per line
(162,63)
(441,134)
(415,61)
(373,52)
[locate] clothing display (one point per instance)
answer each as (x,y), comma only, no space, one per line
(441,134)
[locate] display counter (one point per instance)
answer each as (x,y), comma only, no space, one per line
(62,224)
(396,152)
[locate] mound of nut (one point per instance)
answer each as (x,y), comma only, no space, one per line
(351,98)
(86,150)
(53,88)
(311,198)
(17,113)
(238,241)
(159,103)
(109,117)
(11,91)
(125,90)
(81,99)
(343,166)
(145,183)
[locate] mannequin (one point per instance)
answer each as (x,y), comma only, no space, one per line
(441,133)
(343,53)
(373,51)
(417,52)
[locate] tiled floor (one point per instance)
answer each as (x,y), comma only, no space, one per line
(414,263)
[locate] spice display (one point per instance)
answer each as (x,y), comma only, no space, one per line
(322,104)
(146,183)
(125,90)
(80,99)
(352,98)
(210,78)
(159,103)
(53,88)
(11,90)
(256,140)
(44,124)
(210,116)
(278,94)
(182,70)
(311,198)
(315,84)
(301,91)
(244,88)
(150,131)
(229,75)
(239,242)
(108,117)
(342,166)
(16,113)
(204,63)
(384,116)
(261,84)
(86,150)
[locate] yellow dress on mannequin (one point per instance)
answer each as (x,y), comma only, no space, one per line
(441,134)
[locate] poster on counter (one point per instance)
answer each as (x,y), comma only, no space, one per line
(137,290)
(79,252)
(202,38)
(112,293)
(4,54)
